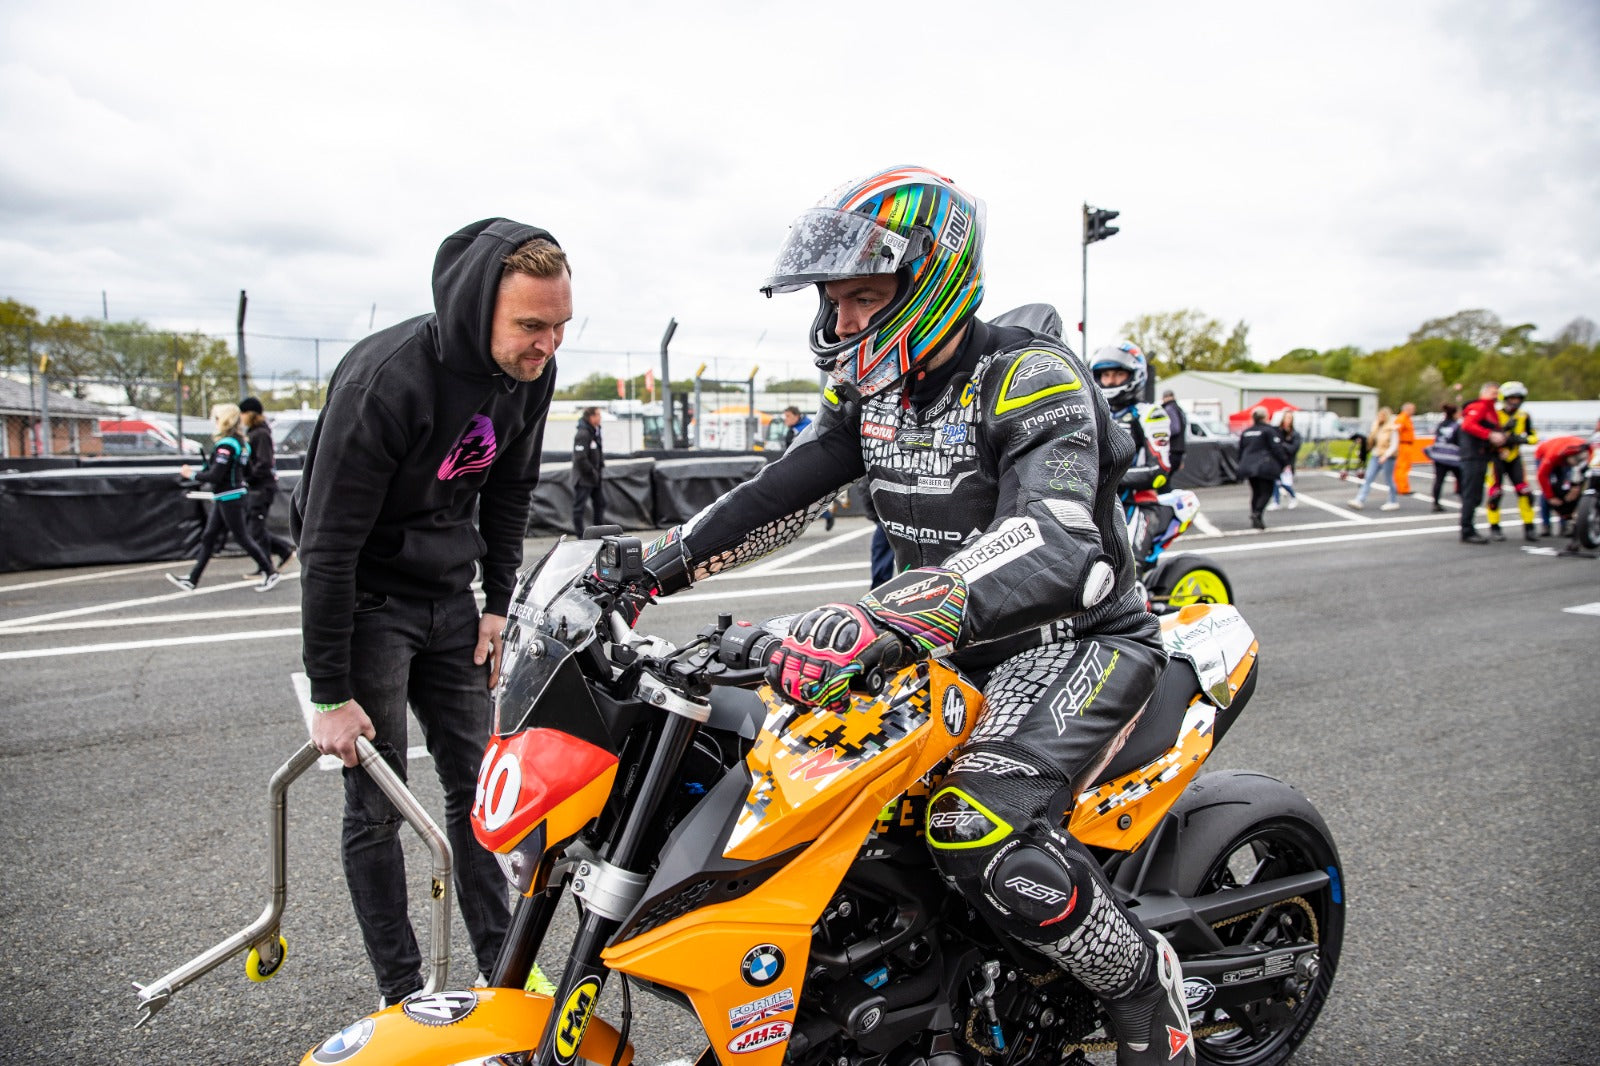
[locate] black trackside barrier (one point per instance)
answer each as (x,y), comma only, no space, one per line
(684,486)
(627,486)
(1208,462)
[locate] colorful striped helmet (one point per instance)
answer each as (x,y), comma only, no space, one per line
(905,221)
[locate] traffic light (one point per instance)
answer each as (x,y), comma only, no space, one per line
(1095,221)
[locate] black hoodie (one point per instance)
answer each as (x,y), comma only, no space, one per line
(420,426)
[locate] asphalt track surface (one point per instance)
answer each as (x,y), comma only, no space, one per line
(1435,700)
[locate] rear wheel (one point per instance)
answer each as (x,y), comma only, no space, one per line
(1586,521)
(1266,1031)
(1191,579)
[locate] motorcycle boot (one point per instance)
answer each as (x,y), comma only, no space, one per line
(1151,1023)
(1528,534)
(1495,534)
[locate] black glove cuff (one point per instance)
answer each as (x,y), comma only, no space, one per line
(666,565)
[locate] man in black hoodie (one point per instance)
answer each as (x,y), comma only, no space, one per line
(425,421)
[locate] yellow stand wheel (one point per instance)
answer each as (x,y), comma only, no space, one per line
(258,969)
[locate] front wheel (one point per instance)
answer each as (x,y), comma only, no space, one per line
(1586,521)
(1190,579)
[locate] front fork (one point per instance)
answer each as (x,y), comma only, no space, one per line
(610,883)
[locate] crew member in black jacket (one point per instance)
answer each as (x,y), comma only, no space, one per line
(262,480)
(588,460)
(1262,458)
(425,421)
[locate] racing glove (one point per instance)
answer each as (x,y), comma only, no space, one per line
(830,650)
(841,646)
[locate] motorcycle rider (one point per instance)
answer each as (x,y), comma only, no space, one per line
(993,470)
(1507,462)
(1120,371)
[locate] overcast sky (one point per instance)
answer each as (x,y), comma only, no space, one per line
(1329,173)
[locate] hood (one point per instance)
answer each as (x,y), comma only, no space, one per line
(466,281)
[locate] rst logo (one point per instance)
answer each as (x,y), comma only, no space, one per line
(759,1037)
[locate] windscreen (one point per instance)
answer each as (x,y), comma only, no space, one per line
(551,618)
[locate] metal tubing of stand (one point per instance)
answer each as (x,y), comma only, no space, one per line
(156,994)
(264,930)
(438,844)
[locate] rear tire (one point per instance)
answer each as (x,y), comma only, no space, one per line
(1190,579)
(1586,522)
(1244,830)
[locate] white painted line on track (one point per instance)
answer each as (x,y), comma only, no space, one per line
(225,586)
(1311,542)
(146,620)
(1347,513)
(1583,608)
(89,577)
(302,693)
(831,568)
(136,645)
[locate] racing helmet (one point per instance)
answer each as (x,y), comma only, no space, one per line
(1513,388)
(1124,356)
(905,221)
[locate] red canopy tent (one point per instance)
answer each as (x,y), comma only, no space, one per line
(1240,420)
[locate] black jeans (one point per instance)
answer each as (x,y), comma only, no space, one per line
(227,517)
(257,506)
(419,651)
(1471,475)
(580,495)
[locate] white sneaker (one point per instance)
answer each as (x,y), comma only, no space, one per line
(1357,504)
(182,582)
(1294,502)
(1390,507)
(268,582)
(1272,506)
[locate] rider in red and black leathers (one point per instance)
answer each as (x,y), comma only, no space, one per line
(992,462)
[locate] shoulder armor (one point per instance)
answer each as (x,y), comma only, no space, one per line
(1033,375)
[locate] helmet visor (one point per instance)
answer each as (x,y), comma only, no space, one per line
(826,244)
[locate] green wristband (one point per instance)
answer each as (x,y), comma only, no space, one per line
(325,708)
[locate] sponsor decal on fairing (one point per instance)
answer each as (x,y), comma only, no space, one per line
(343,1044)
(439,1008)
(759,1037)
(758,1010)
(954,711)
(1197,992)
(762,965)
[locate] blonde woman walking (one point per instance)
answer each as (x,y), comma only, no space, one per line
(224,476)
(1385,444)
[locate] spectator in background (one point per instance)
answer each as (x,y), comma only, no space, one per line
(1561,461)
(1262,458)
(1445,451)
(1406,433)
(1383,443)
(1480,436)
(588,461)
(262,480)
(1178,434)
(1291,445)
(224,477)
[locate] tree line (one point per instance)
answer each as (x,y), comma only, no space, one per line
(1443,359)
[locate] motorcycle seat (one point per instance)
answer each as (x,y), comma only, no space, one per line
(1157,728)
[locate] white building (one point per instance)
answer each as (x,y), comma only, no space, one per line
(1212,395)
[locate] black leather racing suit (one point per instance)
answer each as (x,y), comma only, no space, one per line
(1001,467)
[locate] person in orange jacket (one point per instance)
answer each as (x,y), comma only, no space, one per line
(1407,431)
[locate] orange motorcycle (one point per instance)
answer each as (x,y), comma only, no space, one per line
(762,864)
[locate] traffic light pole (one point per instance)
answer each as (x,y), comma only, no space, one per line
(1095,228)
(1083,320)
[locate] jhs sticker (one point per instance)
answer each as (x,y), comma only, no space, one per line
(760,1037)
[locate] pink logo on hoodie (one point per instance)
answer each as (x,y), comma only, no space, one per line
(473,452)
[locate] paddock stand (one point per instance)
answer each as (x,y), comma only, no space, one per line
(262,937)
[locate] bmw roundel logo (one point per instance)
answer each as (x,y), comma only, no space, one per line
(762,965)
